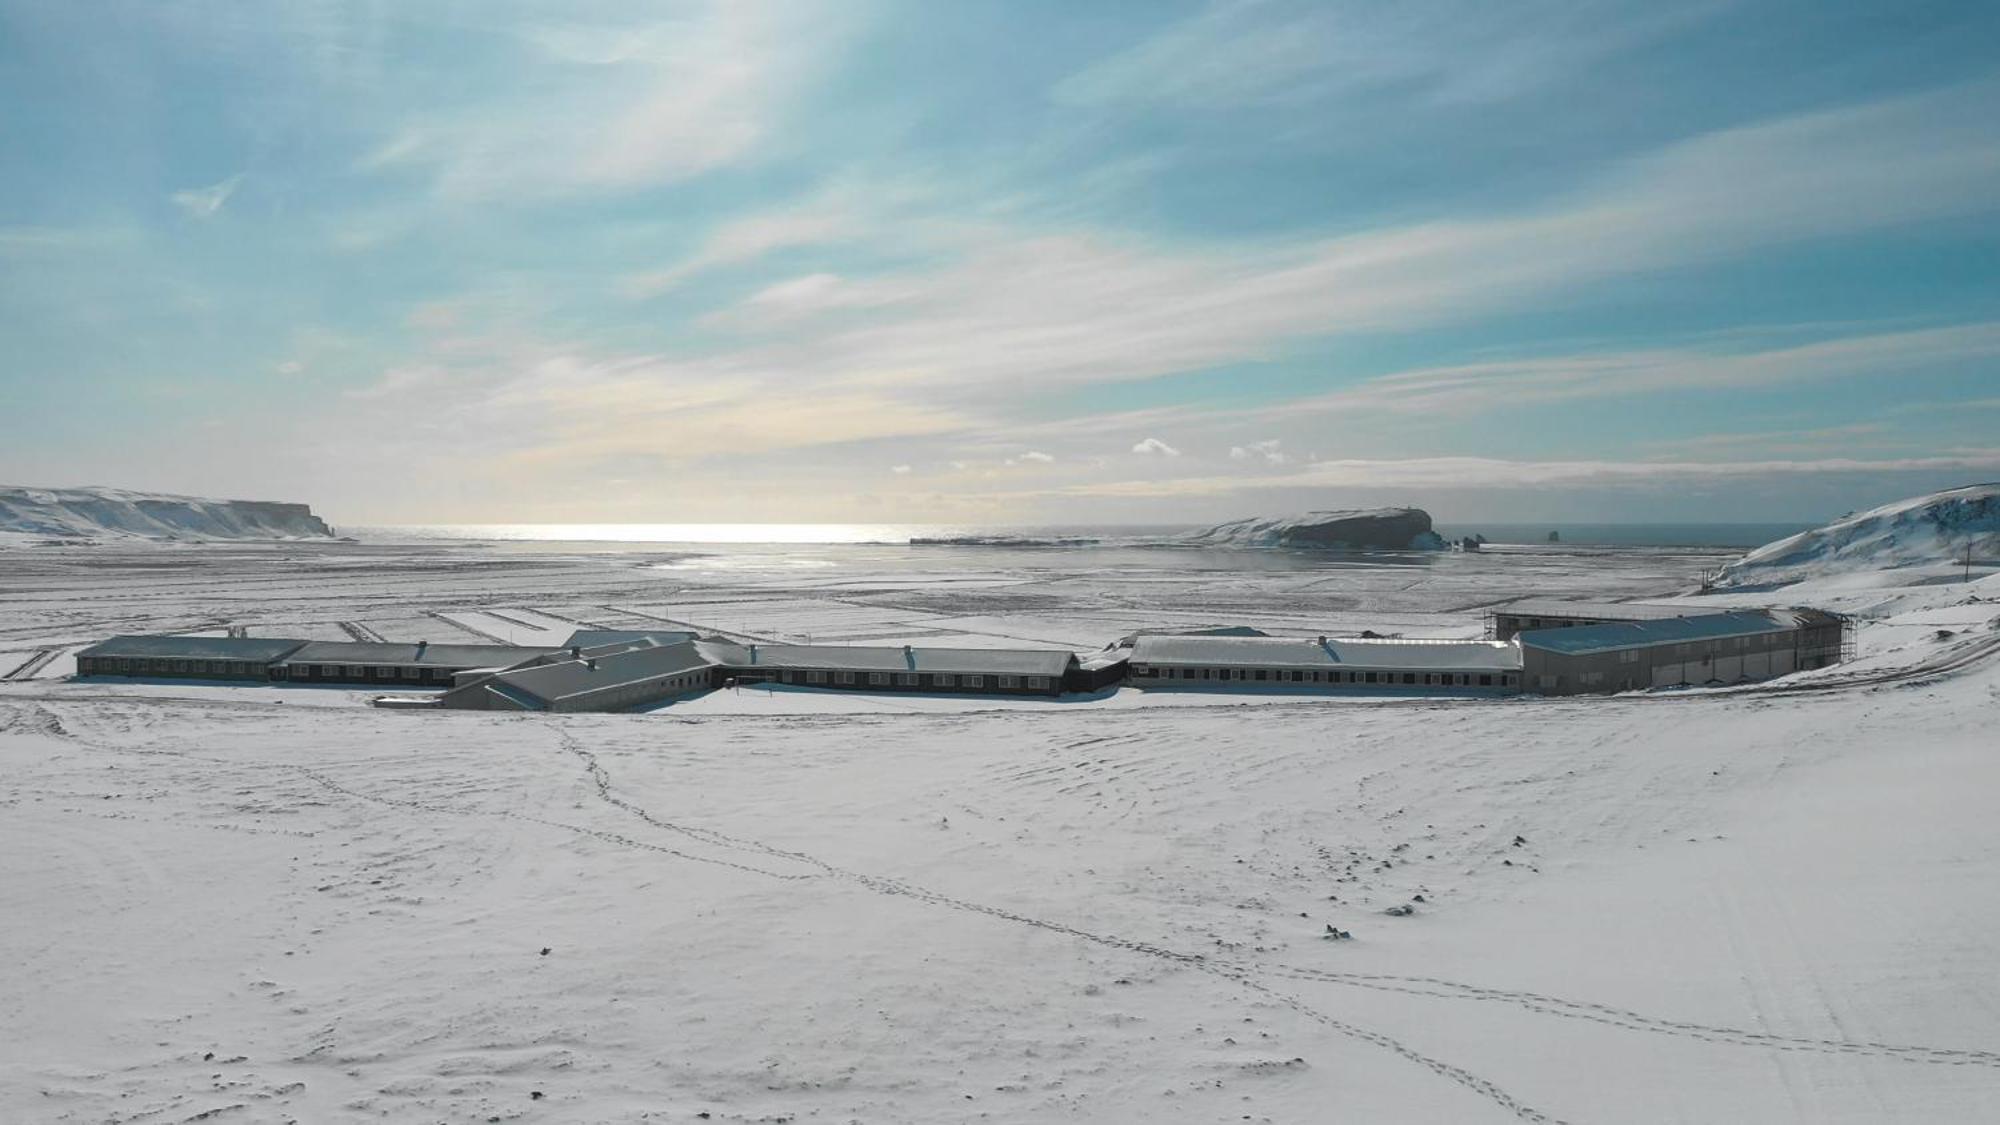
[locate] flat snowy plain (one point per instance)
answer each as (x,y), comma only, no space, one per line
(257,904)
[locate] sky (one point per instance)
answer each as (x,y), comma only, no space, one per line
(1002,261)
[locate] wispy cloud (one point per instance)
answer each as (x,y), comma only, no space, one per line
(1482,473)
(1154,447)
(1251,52)
(1022,307)
(206,202)
(624,104)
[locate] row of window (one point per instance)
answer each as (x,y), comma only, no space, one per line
(1315,676)
(915,680)
(369,672)
(138,666)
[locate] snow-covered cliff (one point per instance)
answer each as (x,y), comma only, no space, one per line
(1394,529)
(115,512)
(1933,530)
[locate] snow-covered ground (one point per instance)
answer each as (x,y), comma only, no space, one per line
(263,904)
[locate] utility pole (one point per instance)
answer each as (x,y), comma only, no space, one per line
(1968,562)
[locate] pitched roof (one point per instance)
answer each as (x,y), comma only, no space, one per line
(262,650)
(589,638)
(864,658)
(429,656)
(1641,634)
(562,679)
(1335,652)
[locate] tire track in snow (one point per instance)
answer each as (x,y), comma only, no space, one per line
(1635,1021)
(1234,974)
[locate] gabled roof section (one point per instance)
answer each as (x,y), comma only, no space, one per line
(388,652)
(863,658)
(261,650)
(591,638)
(561,679)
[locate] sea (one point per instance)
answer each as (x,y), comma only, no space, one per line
(1657,535)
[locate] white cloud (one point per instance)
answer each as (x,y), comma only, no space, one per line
(1035,456)
(1247,52)
(1154,447)
(1266,451)
(1019,308)
(291,367)
(207,202)
(620,105)
(900,470)
(1484,473)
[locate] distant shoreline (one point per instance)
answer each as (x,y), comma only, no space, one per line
(1080,536)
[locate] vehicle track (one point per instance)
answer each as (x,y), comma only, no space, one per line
(883,885)
(1637,1021)
(360,632)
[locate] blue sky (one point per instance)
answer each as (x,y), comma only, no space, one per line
(452,261)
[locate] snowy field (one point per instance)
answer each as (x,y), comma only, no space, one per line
(260,904)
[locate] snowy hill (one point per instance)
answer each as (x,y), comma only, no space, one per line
(1395,529)
(1929,530)
(95,512)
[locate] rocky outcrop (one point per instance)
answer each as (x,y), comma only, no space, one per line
(1383,529)
(114,512)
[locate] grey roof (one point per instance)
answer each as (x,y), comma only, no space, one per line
(429,656)
(262,650)
(1640,634)
(562,679)
(587,638)
(1599,611)
(862,658)
(1336,652)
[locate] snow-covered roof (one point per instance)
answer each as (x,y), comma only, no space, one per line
(562,679)
(861,658)
(1335,652)
(429,656)
(262,650)
(590,638)
(1640,634)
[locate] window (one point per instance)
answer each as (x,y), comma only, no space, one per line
(1262,674)
(1371,677)
(1409,677)
(1010,681)
(878,677)
(907,679)
(943,679)
(975,681)
(1038,683)
(843,677)
(815,677)
(1486,680)
(382,673)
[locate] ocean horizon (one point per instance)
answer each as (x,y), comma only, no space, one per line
(1714,535)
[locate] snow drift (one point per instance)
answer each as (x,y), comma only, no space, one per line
(94,512)
(1931,530)
(1394,529)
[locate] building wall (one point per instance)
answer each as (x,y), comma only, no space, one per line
(624,697)
(170,668)
(1506,625)
(1717,660)
(1337,679)
(850,680)
(405,675)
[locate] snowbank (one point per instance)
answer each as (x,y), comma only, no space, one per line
(92,512)
(1931,530)
(1394,529)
